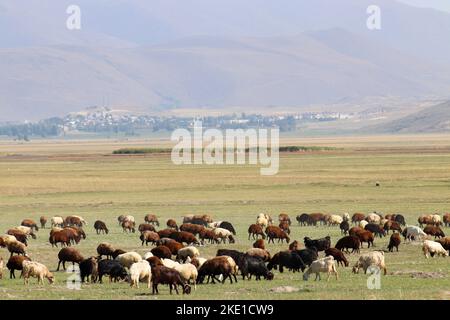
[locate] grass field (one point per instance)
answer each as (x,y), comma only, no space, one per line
(61,178)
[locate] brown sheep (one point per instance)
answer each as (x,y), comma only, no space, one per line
(20,236)
(349,242)
(295,245)
(15,263)
(149,236)
(184,237)
(100,226)
(174,246)
(434,231)
(259,244)
(394,241)
(16,247)
(317,217)
(274,232)
(366,236)
(162,252)
(43,220)
(354,230)
(74,221)
(128,226)
(195,229)
(337,255)
(146,227)
(209,235)
(215,267)
(154,261)
(284,217)
(30,223)
(105,249)
(445,242)
(284,225)
(166,233)
(392,225)
(69,255)
(164,275)
(151,218)
(446,219)
(255,230)
(358,217)
(171,223)
(256,252)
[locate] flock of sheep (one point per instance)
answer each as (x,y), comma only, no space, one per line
(175,260)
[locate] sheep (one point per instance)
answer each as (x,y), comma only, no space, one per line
(89,268)
(117,252)
(434,231)
(295,245)
(348,242)
(57,221)
(254,266)
(197,262)
(105,249)
(74,221)
(113,268)
(227,225)
(320,244)
(27,230)
(162,252)
(173,246)
(15,263)
(447,219)
(128,226)
(366,236)
(288,259)
(308,255)
(128,258)
(346,217)
(30,223)
(140,271)
(445,242)
(318,217)
(256,252)
(43,221)
(208,235)
(20,236)
(236,255)
(195,229)
(304,219)
(100,226)
(224,235)
(433,248)
(413,232)
(147,255)
(375,229)
(146,227)
(164,275)
(186,252)
(120,219)
(262,221)
(1,267)
(357,217)
(255,230)
(187,271)
(151,218)
(334,220)
(16,247)
(274,232)
(400,219)
(38,270)
(166,233)
(259,244)
(363,223)
(172,224)
(154,261)
(394,241)
(326,264)
(215,267)
(284,217)
(392,225)
(338,255)
(69,255)
(344,226)
(149,236)
(436,219)
(373,218)
(185,237)
(284,225)
(375,258)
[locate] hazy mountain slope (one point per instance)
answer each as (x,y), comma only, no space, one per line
(433,119)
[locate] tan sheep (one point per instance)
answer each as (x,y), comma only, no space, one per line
(36,270)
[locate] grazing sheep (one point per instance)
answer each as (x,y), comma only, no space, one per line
(325,265)
(140,271)
(69,255)
(227,225)
(400,219)
(100,226)
(113,268)
(185,237)
(344,226)
(151,218)
(284,217)
(255,230)
(149,236)
(392,225)
(320,244)
(259,244)
(215,267)
(447,219)
(373,218)
(128,258)
(357,217)
(162,252)
(57,221)
(166,233)
(27,230)
(256,252)
(445,242)
(30,223)
(274,232)
(89,268)
(188,272)
(365,236)
(154,261)
(76,221)
(130,219)
(363,223)
(209,235)
(117,252)
(413,232)
(433,248)
(15,263)
(120,219)
(128,226)
(43,221)
(334,220)
(254,266)
(172,224)
(346,216)
(375,229)
(20,236)
(195,229)
(224,235)
(432,231)
(37,270)
(284,225)
(184,253)
(197,262)
(173,246)
(348,242)
(288,259)
(308,255)
(171,277)
(394,241)
(375,258)
(105,249)
(16,247)
(146,227)
(304,219)
(338,256)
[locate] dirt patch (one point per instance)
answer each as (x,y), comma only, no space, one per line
(420,274)
(284,289)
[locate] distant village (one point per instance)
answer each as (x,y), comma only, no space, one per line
(106,120)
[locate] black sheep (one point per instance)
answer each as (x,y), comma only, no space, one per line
(321,244)
(89,268)
(288,259)
(308,255)
(227,225)
(113,268)
(254,266)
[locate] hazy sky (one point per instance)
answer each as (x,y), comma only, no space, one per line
(443,5)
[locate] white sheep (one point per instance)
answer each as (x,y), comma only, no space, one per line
(433,248)
(169,263)
(414,232)
(375,258)
(129,218)
(335,219)
(187,270)
(128,258)
(325,265)
(57,221)
(373,218)
(224,234)
(436,219)
(186,252)
(147,255)
(346,216)
(1,267)
(140,271)
(363,223)
(37,270)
